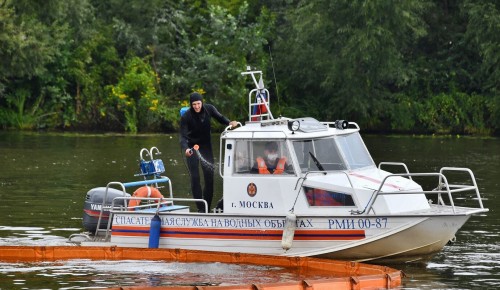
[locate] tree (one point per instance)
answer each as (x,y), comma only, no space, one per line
(135,93)
(29,46)
(482,32)
(349,55)
(207,52)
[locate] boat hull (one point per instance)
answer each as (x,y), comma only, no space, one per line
(360,238)
(419,242)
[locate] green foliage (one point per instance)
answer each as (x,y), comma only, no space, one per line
(455,113)
(27,45)
(17,114)
(227,45)
(443,114)
(493,105)
(409,66)
(93,65)
(392,65)
(135,93)
(349,54)
(213,47)
(482,30)
(403,116)
(135,24)
(30,49)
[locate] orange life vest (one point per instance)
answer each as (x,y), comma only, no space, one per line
(280,167)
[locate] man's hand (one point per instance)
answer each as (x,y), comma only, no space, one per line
(233,124)
(189,152)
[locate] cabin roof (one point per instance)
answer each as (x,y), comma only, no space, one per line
(279,129)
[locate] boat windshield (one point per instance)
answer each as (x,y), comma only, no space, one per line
(333,153)
(318,155)
(354,151)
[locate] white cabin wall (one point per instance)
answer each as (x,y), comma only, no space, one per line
(400,203)
(273,195)
(227,163)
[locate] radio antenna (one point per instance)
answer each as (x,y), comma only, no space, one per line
(275,83)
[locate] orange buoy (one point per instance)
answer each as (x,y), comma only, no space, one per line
(320,274)
(144,191)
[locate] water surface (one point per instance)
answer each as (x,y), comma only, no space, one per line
(44,179)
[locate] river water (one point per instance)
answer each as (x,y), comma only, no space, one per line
(44,179)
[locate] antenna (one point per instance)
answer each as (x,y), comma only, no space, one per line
(275,82)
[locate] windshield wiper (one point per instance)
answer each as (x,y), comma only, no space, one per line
(316,161)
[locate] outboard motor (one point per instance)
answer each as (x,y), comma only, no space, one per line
(93,203)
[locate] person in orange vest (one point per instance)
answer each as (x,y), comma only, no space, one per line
(270,163)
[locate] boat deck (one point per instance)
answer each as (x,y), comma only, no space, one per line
(440,210)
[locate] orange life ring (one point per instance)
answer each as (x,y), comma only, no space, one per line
(144,191)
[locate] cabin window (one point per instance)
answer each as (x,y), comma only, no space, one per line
(247,153)
(242,158)
(321,197)
(318,155)
(354,151)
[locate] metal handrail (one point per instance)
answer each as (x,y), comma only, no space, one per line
(397,164)
(266,103)
(443,183)
(123,186)
(229,126)
(259,87)
(160,202)
(471,176)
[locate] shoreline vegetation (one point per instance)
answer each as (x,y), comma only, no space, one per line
(216,134)
(394,67)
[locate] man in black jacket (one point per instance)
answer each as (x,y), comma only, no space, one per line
(196,130)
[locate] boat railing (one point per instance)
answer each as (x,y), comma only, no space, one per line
(460,187)
(228,128)
(259,105)
(443,188)
(395,164)
(259,109)
(123,186)
(146,209)
(159,202)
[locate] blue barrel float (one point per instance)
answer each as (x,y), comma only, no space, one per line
(154,232)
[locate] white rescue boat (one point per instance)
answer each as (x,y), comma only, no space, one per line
(329,199)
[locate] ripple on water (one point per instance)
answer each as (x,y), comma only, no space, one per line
(34,236)
(436,265)
(465,273)
(7,228)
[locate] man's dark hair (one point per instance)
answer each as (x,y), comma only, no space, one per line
(271,146)
(195,97)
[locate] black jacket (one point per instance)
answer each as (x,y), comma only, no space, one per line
(196,127)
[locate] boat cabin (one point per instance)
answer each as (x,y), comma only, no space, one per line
(327,167)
